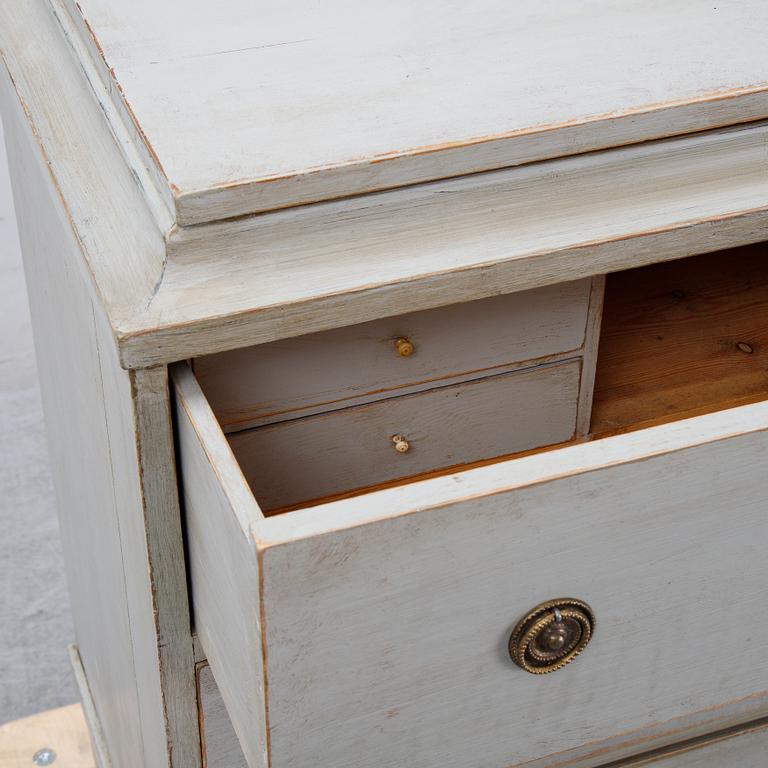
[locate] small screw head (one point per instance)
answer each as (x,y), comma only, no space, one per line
(44,756)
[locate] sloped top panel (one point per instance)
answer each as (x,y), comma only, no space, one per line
(243,106)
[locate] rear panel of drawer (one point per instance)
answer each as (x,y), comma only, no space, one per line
(309,374)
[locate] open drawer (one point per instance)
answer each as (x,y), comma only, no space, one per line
(372,631)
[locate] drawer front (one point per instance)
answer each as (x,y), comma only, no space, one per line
(744,749)
(395,633)
(383,620)
(309,374)
(318,456)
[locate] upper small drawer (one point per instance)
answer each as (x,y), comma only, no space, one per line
(325,371)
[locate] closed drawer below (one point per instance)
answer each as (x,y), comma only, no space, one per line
(742,747)
(318,456)
(747,748)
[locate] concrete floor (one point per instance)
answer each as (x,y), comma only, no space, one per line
(35,622)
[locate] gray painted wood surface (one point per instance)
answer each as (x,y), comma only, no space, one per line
(359,363)
(35,620)
(239,107)
(386,644)
(109,433)
(304,459)
(748,749)
(220,745)
(220,512)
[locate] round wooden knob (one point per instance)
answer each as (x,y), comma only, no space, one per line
(404,347)
(401,444)
(551,635)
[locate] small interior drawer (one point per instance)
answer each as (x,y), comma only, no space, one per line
(361,363)
(375,624)
(357,447)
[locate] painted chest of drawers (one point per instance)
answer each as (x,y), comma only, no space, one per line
(405,372)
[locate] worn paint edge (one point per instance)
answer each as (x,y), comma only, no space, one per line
(279,530)
(98,742)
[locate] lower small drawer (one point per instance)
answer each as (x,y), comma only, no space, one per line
(318,456)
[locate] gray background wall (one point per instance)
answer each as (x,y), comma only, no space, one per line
(35,623)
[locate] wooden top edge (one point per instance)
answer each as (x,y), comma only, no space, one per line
(202,182)
(416,165)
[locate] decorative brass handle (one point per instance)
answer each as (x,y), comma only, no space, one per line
(551,635)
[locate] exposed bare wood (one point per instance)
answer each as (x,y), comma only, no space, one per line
(683,338)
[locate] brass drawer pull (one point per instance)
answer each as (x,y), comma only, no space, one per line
(404,347)
(401,444)
(551,635)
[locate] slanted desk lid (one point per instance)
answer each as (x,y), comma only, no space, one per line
(241,106)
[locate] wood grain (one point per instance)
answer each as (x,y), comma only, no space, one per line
(180,293)
(111,446)
(240,108)
(357,364)
(63,730)
(616,503)
(288,273)
(741,749)
(225,575)
(683,338)
(296,461)
(394,632)
(221,748)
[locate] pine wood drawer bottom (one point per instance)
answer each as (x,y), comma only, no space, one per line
(375,627)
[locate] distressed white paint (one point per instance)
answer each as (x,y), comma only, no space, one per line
(221,749)
(294,272)
(242,107)
(386,643)
(304,459)
(386,615)
(223,566)
(111,451)
(741,750)
(359,363)
(261,278)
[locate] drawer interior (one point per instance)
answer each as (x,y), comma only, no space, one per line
(677,339)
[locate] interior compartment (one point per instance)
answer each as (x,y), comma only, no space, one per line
(678,339)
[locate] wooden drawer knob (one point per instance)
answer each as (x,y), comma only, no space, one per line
(551,635)
(404,347)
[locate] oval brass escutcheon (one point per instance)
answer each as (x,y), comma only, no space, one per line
(551,635)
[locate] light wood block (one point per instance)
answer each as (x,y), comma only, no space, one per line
(62,730)
(683,338)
